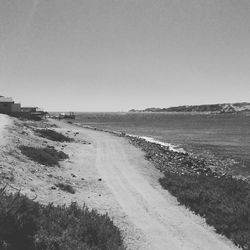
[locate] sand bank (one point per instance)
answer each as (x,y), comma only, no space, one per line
(4,122)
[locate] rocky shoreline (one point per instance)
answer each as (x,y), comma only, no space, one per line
(167,160)
(203,184)
(180,163)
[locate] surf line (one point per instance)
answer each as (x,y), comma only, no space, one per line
(174,148)
(171,147)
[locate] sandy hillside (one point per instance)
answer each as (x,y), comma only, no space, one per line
(111,176)
(4,122)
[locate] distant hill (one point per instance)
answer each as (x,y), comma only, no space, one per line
(210,108)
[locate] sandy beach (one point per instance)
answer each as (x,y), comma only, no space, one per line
(109,175)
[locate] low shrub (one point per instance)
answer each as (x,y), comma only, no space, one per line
(224,202)
(28,225)
(53,135)
(66,187)
(47,156)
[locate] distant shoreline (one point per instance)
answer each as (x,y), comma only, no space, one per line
(205,108)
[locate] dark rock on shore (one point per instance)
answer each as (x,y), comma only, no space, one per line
(176,162)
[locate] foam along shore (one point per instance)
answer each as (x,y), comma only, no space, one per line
(155,217)
(168,156)
(171,147)
(203,184)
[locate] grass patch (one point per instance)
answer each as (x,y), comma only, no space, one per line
(224,202)
(47,156)
(28,225)
(53,135)
(66,187)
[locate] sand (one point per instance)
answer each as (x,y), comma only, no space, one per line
(111,175)
(4,122)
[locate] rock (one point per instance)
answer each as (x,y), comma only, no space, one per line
(73,175)
(53,188)
(175,162)
(100,179)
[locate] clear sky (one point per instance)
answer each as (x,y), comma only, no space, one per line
(115,55)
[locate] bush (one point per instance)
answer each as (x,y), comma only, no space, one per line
(28,225)
(53,135)
(224,202)
(66,187)
(47,156)
(18,222)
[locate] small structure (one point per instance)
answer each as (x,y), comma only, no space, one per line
(70,115)
(34,113)
(8,106)
(29,109)
(5,104)
(16,108)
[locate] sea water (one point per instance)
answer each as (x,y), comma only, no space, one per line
(223,135)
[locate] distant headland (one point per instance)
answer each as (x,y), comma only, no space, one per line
(210,108)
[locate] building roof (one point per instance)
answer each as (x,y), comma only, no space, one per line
(6,99)
(29,108)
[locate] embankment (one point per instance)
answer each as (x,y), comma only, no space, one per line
(31,180)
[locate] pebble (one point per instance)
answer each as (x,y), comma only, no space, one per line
(176,162)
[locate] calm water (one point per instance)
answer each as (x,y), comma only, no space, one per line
(225,136)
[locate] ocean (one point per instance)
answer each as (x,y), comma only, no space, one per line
(224,136)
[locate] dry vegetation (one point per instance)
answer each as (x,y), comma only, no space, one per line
(66,187)
(53,135)
(48,156)
(224,202)
(28,225)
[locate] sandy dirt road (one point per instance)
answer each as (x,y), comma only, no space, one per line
(154,213)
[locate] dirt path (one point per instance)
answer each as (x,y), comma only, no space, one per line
(158,221)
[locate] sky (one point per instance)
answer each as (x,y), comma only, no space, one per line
(116,55)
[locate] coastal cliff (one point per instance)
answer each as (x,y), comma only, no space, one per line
(210,108)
